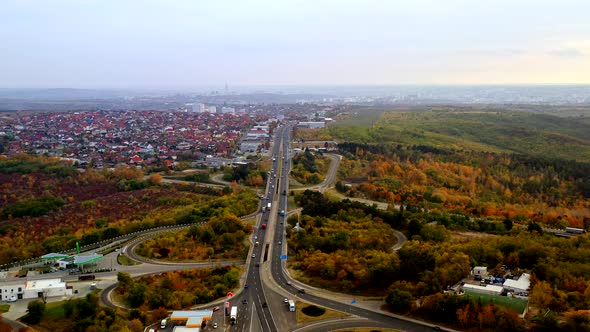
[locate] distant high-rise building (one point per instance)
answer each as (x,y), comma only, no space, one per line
(225,110)
(200,108)
(212,109)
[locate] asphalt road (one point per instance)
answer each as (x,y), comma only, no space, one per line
(277,271)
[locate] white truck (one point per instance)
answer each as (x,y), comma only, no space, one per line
(233,315)
(268,206)
(291,305)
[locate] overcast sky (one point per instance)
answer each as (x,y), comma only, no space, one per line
(173,43)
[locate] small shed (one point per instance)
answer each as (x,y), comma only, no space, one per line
(481,271)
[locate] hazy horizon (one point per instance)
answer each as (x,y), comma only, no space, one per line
(183,45)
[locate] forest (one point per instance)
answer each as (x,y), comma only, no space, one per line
(177,289)
(480,129)
(44,210)
(336,246)
(492,185)
(221,237)
(309,168)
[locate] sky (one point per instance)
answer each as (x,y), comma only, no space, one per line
(184,44)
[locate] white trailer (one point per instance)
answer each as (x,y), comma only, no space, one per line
(233,316)
(291,305)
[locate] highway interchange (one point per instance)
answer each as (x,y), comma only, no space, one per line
(267,282)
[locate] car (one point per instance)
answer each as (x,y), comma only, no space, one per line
(257,264)
(289,283)
(246,286)
(215,309)
(12,299)
(244,301)
(286,300)
(253,255)
(280,243)
(264,305)
(302,291)
(214,325)
(152,330)
(437,328)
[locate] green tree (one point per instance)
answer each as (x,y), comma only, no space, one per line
(35,312)
(399,300)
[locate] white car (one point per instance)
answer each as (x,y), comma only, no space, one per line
(214,325)
(12,299)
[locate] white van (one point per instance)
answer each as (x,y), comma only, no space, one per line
(163,324)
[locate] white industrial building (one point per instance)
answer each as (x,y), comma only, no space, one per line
(10,289)
(311,124)
(45,287)
(487,289)
(33,289)
(518,286)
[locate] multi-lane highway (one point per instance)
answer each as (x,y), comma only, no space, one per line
(275,254)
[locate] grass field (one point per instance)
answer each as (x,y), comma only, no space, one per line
(515,304)
(124,260)
(491,131)
(4,307)
(303,318)
(55,310)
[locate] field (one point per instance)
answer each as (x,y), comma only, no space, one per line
(518,305)
(490,131)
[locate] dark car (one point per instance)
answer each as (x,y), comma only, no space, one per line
(302,291)
(244,301)
(246,286)
(264,305)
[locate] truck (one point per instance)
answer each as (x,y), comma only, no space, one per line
(227,308)
(291,305)
(87,277)
(233,316)
(268,206)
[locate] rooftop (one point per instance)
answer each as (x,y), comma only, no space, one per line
(524,282)
(44,284)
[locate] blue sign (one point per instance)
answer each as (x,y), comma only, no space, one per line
(283,257)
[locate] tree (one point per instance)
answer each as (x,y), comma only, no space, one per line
(399,300)
(35,312)
(534,227)
(159,313)
(155,179)
(508,224)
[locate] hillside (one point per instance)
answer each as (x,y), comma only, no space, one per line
(541,135)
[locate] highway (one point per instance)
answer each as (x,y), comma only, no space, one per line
(277,264)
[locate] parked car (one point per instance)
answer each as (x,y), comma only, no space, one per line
(12,299)
(286,300)
(302,291)
(214,325)
(215,309)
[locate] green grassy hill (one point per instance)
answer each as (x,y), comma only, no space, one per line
(517,132)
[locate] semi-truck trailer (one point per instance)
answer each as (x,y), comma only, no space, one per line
(233,316)
(291,305)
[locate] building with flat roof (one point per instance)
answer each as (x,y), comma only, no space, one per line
(487,289)
(12,288)
(44,287)
(518,286)
(481,271)
(193,318)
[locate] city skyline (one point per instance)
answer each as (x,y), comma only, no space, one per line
(185,44)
